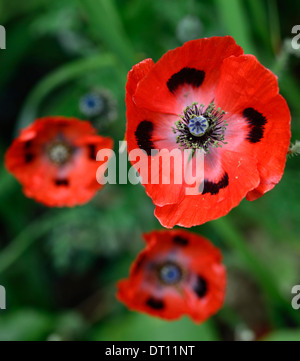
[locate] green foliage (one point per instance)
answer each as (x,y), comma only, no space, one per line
(283,335)
(136,327)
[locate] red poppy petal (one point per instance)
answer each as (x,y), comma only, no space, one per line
(272,150)
(185,75)
(147,130)
(49,127)
(170,307)
(141,122)
(250,91)
(199,295)
(68,185)
(198,248)
(191,245)
(136,74)
(138,294)
(239,176)
(202,308)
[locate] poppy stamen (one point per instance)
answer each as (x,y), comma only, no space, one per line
(170,273)
(59,153)
(201,128)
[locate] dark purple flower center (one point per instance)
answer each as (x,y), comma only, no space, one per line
(201,128)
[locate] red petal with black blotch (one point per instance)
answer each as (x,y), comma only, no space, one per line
(146,131)
(238,174)
(200,293)
(57,186)
(250,92)
(257,136)
(184,75)
(152,130)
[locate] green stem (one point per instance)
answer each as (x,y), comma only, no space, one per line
(239,245)
(61,76)
(106,26)
(259,16)
(274,25)
(290,89)
(235,20)
(281,63)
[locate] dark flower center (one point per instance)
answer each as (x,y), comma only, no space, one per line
(201,128)
(59,152)
(170,273)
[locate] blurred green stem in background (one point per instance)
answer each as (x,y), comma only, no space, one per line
(281,63)
(63,75)
(258,11)
(238,244)
(290,89)
(32,233)
(233,15)
(106,26)
(274,24)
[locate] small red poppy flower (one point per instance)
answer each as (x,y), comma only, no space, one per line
(208,96)
(55,160)
(178,273)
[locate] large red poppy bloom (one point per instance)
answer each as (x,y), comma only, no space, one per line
(207,95)
(179,273)
(55,160)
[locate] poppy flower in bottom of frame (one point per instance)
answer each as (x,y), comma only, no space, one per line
(178,273)
(55,160)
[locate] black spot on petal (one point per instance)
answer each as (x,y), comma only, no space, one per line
(190,76)
(140,262)
(214,188)
(29,157)
(27,144)
(257,124)
(92,151)
(143,136)
(200,287)
(255,135)
(62,182)
(155,304)
(180,241)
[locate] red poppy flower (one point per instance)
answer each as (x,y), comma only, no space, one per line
(207,95)
(179,273)
(55,160)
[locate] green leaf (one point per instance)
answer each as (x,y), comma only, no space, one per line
(105,25)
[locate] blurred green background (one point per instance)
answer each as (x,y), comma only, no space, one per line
(60,266)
